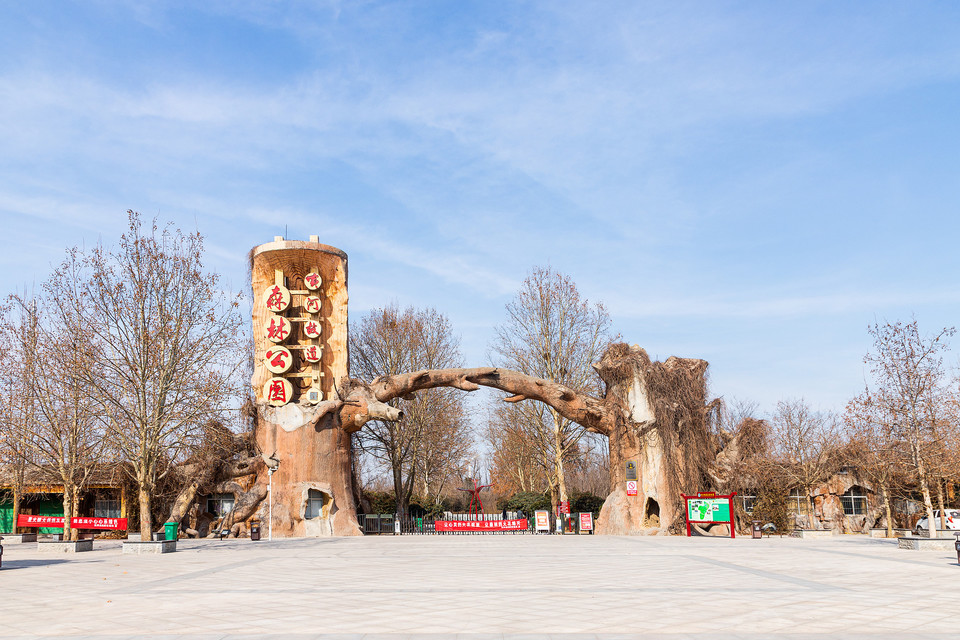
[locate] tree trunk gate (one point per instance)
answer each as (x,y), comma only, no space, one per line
(654,414)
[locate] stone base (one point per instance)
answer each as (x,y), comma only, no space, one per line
(926,544)
(155,536)
(813,533)
(60,546)
(17,538)
(882,533)
(153,546)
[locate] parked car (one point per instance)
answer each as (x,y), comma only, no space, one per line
(953,521)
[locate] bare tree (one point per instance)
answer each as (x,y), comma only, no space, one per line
(552,333)
(18,418)
(804,442)
(170,348)
(909,387)
(516,464)
(389,341)
(874,448)
(445,447)
(67,431)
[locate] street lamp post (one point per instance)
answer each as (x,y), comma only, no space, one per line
(270,471)
(272,463)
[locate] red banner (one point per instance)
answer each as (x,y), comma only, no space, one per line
(481,525)
(25,520)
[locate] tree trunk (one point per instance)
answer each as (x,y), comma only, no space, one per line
(312,442)
(558,459)
(245,504)
(811,515)
(68,498)
(885,492)
(928,505)
(184,499)
(318,456)
(146,522)
(940,505)
(622,514)
(16,508)
(399,491)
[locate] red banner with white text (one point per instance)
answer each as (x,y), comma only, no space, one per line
(481,525)
(25,520)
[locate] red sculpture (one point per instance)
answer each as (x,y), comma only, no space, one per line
(476,504)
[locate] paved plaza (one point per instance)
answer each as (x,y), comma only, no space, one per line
(486,587)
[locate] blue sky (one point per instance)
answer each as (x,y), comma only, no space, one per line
(750,183)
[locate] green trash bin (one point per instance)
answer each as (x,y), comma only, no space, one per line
(170,530)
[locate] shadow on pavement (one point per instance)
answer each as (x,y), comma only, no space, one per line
(9,565)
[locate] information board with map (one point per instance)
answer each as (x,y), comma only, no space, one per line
(707,507)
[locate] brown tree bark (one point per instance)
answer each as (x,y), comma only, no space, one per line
(143,497)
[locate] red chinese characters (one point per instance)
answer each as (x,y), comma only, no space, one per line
(278,329)
(56,522)
(276,298)
(312,353)
(312,304)
(311,329)
(277,391)
(278,359)
(313,281)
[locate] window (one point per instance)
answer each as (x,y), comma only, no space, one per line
(106,508)
(854,502)
(798,503)
(220,504)
(314,504)
(748,502)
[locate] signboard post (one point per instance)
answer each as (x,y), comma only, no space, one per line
(710,508)
(563,513)
(586,523)
(542,521)
(631,477)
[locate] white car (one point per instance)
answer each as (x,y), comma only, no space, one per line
(953,521)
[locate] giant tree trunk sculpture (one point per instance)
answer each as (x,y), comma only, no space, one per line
(653,413)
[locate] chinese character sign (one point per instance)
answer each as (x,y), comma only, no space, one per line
(277,329)
(312,304)
(277,392)
(313,281)
(276,298)
(311,329)
(312,353)
(278,359)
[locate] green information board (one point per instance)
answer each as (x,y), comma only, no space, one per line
(708,510)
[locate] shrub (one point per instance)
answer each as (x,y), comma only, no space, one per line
(529,501)
(583,502)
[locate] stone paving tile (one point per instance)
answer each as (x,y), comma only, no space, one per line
(476,587)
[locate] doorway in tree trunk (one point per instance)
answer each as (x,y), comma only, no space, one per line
(651,513)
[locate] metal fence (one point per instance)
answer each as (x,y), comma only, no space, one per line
(376,524)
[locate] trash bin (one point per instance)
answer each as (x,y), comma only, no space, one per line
(254,530)
(755,531)
(170,530)
(956,545)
